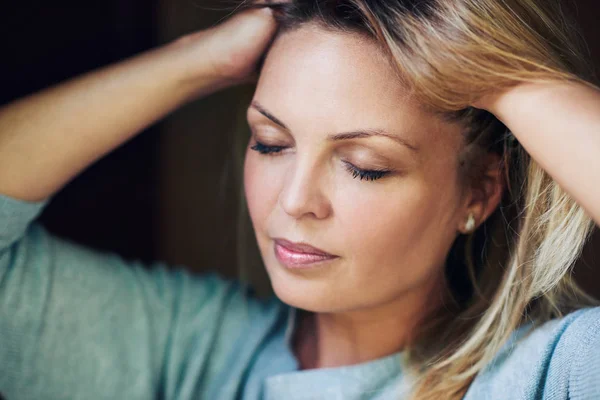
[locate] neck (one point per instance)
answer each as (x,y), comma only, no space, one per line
(325,340)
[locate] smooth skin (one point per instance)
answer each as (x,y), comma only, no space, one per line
(391,234)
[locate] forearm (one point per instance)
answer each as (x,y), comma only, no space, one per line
(49,137)
(559,126)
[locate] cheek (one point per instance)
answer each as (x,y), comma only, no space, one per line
(383,220)
(396,237)
(260,188)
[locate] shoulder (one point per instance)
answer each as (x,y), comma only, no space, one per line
(218,330)
(560,337)
(577,322)
(576,357)
(568,365)
(559,359)
(223,297)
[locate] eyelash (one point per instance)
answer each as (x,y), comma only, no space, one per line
(369,175)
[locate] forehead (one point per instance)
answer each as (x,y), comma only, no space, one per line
(337,80)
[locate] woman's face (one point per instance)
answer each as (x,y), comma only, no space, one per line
(390,233)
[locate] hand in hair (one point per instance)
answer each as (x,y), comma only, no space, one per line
(233,47)
(558,124)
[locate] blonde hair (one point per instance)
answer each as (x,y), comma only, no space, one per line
(516,267)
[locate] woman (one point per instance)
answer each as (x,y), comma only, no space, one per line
(404,178)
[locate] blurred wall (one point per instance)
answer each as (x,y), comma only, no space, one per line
(202,223)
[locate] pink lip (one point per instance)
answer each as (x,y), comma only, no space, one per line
(298,255)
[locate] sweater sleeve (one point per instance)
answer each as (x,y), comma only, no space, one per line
(80,324)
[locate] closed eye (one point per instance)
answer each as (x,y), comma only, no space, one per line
(264,149)
(369,175)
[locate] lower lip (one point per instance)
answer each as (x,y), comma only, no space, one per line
(295,260)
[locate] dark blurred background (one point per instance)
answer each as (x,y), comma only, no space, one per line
(173,192)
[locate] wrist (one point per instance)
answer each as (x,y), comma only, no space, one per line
(528,96)
(493,102)
(194,71)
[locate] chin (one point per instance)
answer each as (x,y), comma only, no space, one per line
(302,290)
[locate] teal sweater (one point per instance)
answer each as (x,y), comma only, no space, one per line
(79,324)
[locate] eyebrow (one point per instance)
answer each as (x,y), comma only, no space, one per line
(343,135)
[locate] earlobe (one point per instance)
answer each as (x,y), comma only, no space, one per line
(485,197)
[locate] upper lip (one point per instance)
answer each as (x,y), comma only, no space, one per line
(301,247)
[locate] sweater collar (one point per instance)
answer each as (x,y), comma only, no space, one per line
(381,377)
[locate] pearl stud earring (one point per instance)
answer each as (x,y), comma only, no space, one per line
(470,225)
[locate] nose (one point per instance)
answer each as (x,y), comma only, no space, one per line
(302,193)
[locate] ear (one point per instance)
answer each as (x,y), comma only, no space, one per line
(484,195)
